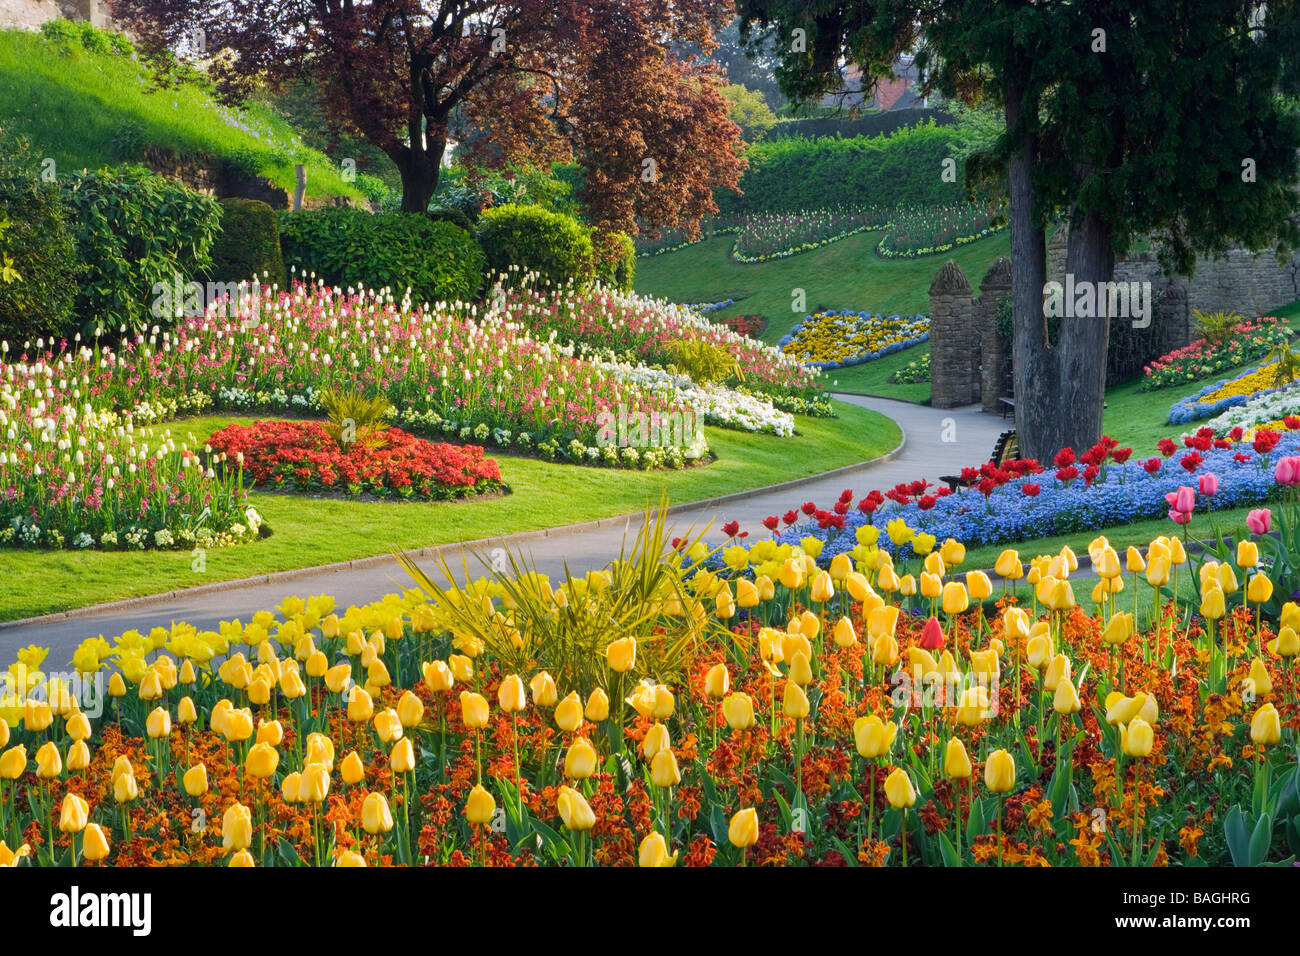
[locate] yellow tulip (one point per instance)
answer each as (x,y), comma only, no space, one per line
(747,595)
(1266,726)
(973,706)
(1228,579)
(823,588)
(843,633)
(236,828)
(580,760)
(195,780)
(1065,700)
(1158,571)
(1000,772)
(376,817)
(899,790)
(1107,563)
(1286,644)
(352,769)
(574,810)
(717,681)
(984,662)
(349,858)
(653,852)
(337,677)
(480,808)
(320,749)
(791,574)
(37,715)
(568,712)
(1133,560)
(1121,626)
(125,788)
(873,737)
(663,770)
(94,842)
(78,756)
(742,831)
(738,709)
(1259,589)
(48,761)
(1259,678)
(1247,554)
(655,740)
(262,761)
(934,564)
(597,706)
(402,759)
(1136,738)
(361,707)
(544,691)
(1057,671)
(794,702)
(841,567)
(314,783)
(1212,604)
(884,650)
(290,787)
(800,670)
(1008,565)
(73,814)
(410,710)
(462,667)
(931,586)
(473,710)
(956,762)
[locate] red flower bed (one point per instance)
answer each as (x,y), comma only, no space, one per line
(304,456)
(751,326)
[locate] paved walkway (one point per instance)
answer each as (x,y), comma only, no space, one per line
(936,443)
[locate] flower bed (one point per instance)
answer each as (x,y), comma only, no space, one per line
(927,231)
(1022,501)
(668,717)
(1268,410)
(388,462)
(839,339)
(74,474)
(1249,342)
(764,237)
(1214,399)
(750,326)
(454,370)
(716,404)
(914,372)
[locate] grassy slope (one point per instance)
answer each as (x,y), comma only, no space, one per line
(73,105)
(844,275)
(319,531)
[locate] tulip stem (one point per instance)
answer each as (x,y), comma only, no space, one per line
(902,834)
(1001,861)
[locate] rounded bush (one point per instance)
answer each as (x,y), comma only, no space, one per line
(554,245)
(348,247)
(248,244)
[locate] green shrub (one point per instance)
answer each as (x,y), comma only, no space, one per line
(436,260)
(794,174)
(248,244)
(555,246)
(139,234)
(453,215)
(37,245)
(615,260)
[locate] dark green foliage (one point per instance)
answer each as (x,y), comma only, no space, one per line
(136,230)
(556,246)
(453,215)
(38,242)
(436,260)
(795,174)
(248,244)
(615,260)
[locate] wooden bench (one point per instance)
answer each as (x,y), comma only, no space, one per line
(1006,449)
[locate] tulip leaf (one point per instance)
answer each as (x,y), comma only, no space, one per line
(288,855)
(975,824)
(850,858)
(1260,840)
(950,857)
(718,825)
(710,791)
(1237,837)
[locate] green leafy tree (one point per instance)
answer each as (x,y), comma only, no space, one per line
(749,111)
(1147,117)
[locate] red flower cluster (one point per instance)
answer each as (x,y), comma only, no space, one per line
(748,325)
(304,455)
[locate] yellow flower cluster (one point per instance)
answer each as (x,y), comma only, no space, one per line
(846,338)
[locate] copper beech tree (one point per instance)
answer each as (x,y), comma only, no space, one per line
(596,82)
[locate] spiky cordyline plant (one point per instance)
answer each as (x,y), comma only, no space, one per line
(641,594)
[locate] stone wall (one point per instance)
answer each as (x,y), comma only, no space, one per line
(954,340)
(30,14)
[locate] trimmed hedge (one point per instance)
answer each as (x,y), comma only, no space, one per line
(39,242)
(795,174)
(248,244)
(137,232)
(615,260)
(348,247)
(556,246)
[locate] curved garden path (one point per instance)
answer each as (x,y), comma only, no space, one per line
(924,453)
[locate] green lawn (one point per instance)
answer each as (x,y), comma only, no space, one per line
(311,531)
(844,275)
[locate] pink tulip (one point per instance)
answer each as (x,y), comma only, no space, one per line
(1284,473)
(1209,483)
(1180,517)
(1184,500)
(1258,520)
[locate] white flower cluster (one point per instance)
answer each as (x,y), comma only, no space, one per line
(1259,410)
(716,404)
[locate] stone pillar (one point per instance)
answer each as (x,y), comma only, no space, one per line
(994,287)
(952,339)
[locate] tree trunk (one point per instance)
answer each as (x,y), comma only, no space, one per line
(1035,365)
(1084,343)
(420,166)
